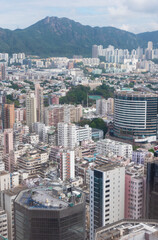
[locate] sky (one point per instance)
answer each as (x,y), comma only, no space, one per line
(131,15)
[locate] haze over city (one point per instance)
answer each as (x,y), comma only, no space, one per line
(134,16)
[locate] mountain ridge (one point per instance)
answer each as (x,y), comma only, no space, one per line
(53,36)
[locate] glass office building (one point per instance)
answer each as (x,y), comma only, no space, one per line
(135,116)
(152,190)
(50,213)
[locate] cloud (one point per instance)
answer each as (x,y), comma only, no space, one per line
(132,15)
(125,27)
(145,6)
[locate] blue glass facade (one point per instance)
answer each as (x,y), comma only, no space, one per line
(98,198)
(152,191)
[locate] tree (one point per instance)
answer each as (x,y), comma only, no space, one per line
(23,91)
(95,123)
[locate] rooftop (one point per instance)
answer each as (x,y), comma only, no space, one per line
(112,142)
(4,173)
(135,94)
(53,197)
(129,229)
(107,167)
(14,191)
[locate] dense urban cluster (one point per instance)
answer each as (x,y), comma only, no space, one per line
(78,146)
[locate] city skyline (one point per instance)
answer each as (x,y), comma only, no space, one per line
(134,16)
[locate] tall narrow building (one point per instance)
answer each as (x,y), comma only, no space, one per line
(3,72)
(8,116)
(8,148)
(94,51)
(3,224)
(31,114)
(65,160)
(107,191)
(8,140)
(152,190)
(39,102)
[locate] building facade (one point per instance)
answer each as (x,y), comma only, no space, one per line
(107,189)
(46,213)
(3,224)
(65,160)
(8,116)
(110,147)
(152,190)
(31,110)
(135,116)
(39,102)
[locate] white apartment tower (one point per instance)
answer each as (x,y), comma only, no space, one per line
(104,106)
(67,135)
(31,114)
(107,190)
(70,135)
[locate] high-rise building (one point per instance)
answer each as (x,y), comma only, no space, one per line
(56,212)
(31,111)
(107,189)
(7,203)
(62,113)
(110,147)
(104,106)
(54,99)
(4,180)
(8,140)
(8,116)
(95,53)
(150,45)
(67,136)
(134,195)
(152,190)
(3,72)
(3,224)
(20,114)
(2,165)
(8,148)
(139,156)
(65,160)
(39,102)
(135,116)
(70,135)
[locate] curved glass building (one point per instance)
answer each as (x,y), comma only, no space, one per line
(135,116)
(50,213)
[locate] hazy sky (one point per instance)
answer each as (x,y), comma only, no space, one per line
(131,15)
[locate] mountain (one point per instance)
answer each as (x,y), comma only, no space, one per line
(54,36)
(143,38)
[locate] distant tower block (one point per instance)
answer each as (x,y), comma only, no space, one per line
(94,51)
